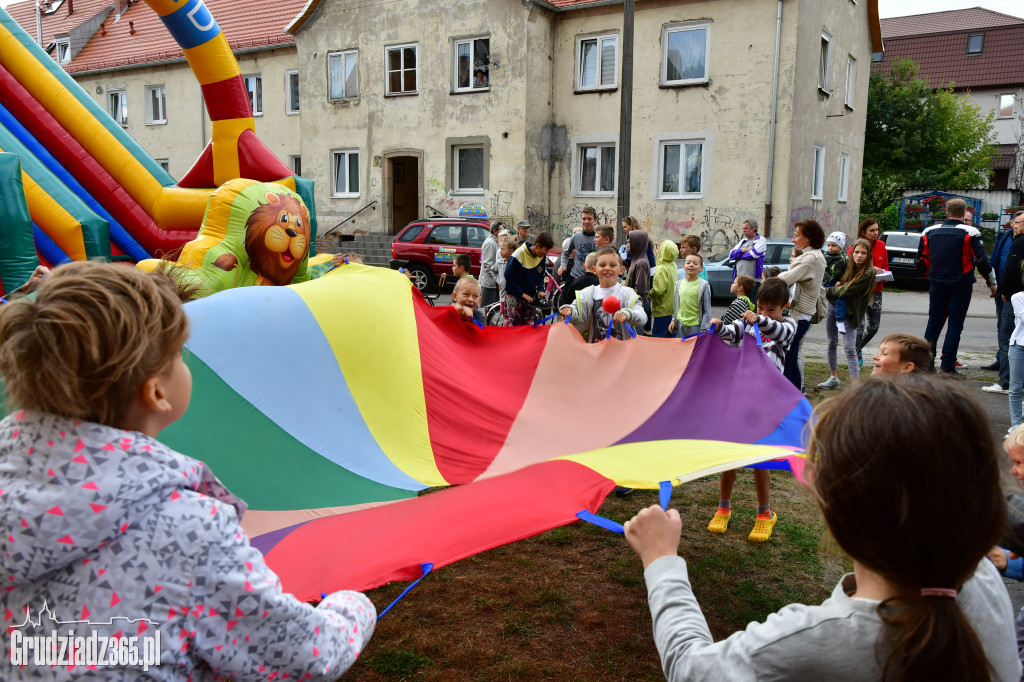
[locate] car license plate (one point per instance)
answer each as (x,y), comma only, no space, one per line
(908,261)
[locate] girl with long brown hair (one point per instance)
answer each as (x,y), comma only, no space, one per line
(916,504)
(847,301)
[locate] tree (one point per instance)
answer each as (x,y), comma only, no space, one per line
(920,137)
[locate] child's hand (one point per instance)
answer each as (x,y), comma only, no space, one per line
(465,312)
(338,259)
(715,322)
(654,533)
(619,316)
(528,298)
(750,316)
(998,557)
(672,327)
(565,311)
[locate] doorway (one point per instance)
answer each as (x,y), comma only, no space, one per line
(402,190)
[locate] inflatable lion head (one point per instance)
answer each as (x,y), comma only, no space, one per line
(277,238)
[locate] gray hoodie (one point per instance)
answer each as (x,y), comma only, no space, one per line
(117,531)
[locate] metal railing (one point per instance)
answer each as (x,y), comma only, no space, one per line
(371,204)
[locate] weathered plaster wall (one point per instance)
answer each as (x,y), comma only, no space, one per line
(825,119)
(181,139)
(377,125)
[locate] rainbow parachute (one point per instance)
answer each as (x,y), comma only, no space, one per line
(325,405)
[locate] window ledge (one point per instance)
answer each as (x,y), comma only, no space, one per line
(815,198)
(292,113)
(345,101)
(842,201)
(467,193)
(676,197)
(156,123)
(344,196)
(693,84)
(593,194)
(402,94)
(587,91)
(849,107)
(469,92)
(823,91)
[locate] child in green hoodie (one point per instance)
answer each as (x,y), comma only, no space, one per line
(665,274)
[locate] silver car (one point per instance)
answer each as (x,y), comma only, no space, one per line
(719,266)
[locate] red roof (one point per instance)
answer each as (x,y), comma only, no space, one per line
(943,58)
(944,22)
(246,24)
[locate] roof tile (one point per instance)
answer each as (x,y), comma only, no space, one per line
(942,22)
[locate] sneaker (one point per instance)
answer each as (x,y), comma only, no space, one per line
(961,365)
(994,367)
(953,373)
(995,388)
(828,384)
(763,527)
(623,491)
(720,521)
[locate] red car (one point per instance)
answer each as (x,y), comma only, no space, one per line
(427,247)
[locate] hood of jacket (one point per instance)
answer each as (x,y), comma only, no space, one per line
(68,487)
(668,252)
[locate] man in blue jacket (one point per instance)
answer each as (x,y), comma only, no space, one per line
(948,253)
(1004,311)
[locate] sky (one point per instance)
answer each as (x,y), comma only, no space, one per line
(899,8)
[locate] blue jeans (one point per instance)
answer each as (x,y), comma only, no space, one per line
(1006,325)
(792,369)
(1000,353)
(1016,356)
(953,299)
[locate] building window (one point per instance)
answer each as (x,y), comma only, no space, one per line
(851,74)
(468,167)
(685,51)
(345,173)
(975,43)
(401,67)
(156,105)
(296,163)
(164,163)
(876,57)
(63,50)
(1005,106)
(117,105)
(825,62)
(596,169)
(681,169)
(818,176)
(844,175)
(254,88)
(471,64)
(291,91)
(343,75)
(596,60)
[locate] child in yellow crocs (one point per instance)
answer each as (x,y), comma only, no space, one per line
(777,333)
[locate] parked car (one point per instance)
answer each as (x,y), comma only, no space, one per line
(426,248)
(902,249)
(720,266)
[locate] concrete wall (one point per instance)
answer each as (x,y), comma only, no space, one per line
(1007,130)
(424,124)
(823,118)
(185,134)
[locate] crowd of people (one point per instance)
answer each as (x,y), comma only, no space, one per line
(96,353)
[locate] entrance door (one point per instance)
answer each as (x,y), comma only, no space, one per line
(403,191)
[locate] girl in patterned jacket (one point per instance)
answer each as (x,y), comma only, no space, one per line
(108,531)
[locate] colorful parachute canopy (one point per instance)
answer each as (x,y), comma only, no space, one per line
(322,402)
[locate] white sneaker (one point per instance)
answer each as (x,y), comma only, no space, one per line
(829,383)
(995,388)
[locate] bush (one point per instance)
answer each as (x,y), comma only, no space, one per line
(988,215)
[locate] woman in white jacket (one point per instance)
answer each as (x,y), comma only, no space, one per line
(806,273)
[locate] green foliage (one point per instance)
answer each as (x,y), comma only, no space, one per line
(920,137)
(888,219)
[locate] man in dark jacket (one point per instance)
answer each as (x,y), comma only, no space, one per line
(948,253)
(1009,257)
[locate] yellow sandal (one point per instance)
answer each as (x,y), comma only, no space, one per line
(720,521)
(763,527)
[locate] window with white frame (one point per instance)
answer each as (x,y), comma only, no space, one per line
(844,175)
(468,168)
(596,169)
(685,52)
(471,64)
(596,59)
(345,173)
(117,105)
(851,75)
(1005,106)
(681,169)
(63,50)
(818,174)
(254,89)
(400,62)
(825,62)
(156,105)
(291,91)
(343,75)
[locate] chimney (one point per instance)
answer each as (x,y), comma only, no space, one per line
(131,27)
(71,7)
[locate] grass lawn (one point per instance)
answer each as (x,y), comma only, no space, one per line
(570,604)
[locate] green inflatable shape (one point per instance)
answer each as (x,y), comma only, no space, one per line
(18,256)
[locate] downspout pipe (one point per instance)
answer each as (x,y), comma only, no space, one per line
(771,132)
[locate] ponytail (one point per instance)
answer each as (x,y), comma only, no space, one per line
(930,639)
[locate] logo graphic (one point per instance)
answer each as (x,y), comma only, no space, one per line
(48,641)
